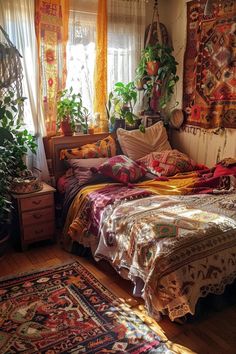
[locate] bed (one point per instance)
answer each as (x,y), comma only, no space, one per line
(174,238)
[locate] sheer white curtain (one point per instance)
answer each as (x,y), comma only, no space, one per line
(17,19)
(81,52)
(126,25)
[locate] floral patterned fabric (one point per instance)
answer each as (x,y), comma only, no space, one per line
(51,24)
(168,163)
(122,169)
(102,148)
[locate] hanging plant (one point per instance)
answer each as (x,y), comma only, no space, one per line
(158,66)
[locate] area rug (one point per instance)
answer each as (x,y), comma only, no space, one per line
(209,95)
(67,310)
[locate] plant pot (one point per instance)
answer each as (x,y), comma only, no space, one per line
(119,123)
(152,68)
(135,125)
(66,128)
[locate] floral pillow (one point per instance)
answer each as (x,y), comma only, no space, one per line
(168,163)
(102,148)
(121,169)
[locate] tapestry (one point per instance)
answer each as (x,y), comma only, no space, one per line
(67,310)
(51,22)
(209,94)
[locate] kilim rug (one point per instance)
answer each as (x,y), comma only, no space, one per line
(67,310)
(209,94)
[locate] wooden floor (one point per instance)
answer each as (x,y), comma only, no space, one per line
(215,334)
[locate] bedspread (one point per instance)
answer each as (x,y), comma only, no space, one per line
(181,247)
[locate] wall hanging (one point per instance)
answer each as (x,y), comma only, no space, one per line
(209,95)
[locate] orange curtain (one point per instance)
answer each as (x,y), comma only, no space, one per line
(51,22)
(100,75)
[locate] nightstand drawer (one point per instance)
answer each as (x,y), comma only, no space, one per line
(38,202)
(37,216)
(39,231)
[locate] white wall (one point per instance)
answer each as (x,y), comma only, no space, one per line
(204,147)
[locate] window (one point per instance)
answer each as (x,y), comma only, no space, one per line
(126,22)
(81,54)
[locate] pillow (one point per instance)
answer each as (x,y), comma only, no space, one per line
(62,183)
(168,163)
(88,163)
(121,169)
(82,169)
(102,148)
(136,144)
(84,175)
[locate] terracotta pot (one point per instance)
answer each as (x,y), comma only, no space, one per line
(66,128)
(152,67)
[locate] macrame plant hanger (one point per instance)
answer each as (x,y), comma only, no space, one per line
(155,19)
(11,72)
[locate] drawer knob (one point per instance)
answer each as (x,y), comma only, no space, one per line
(37,216)
(36,202)
(38,231)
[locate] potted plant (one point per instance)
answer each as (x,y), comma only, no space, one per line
(158,67)
(151,55)
(121,104)
(14,143)
(148,64)
(7,162)
(70,111)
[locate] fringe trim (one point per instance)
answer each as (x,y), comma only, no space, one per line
(194,130)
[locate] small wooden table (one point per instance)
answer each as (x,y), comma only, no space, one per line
(36,215)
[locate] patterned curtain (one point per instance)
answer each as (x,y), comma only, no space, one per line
(100,77)
(51,17)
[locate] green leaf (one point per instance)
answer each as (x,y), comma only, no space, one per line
(142,128)
(7,100)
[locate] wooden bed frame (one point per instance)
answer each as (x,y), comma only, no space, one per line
(57,143)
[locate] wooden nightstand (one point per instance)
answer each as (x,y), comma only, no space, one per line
(36,215)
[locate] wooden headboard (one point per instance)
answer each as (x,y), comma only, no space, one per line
(58,143)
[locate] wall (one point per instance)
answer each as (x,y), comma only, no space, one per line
(202,146)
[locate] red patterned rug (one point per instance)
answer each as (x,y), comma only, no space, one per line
(67,310)
(209,95)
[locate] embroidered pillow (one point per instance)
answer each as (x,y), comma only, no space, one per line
(168,163)
(121,169)
(102,148)
(136,144)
